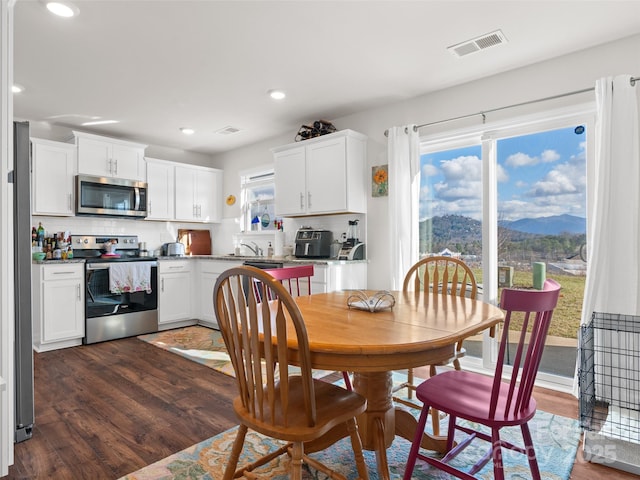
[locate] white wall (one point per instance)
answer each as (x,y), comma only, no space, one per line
(553,77)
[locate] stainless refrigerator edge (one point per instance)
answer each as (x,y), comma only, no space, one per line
(21,178)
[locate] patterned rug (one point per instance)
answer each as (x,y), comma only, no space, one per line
(555,439)
(196,343)
(202,345)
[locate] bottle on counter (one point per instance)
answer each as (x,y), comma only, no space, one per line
(40,233)
(269,251)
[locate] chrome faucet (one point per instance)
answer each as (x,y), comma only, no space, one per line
(255,249)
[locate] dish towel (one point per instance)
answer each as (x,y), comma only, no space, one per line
(130,277)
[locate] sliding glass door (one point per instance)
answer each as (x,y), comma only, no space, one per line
(511,202)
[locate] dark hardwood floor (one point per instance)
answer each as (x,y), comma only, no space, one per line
(108,409)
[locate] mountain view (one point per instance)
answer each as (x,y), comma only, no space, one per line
(554,237)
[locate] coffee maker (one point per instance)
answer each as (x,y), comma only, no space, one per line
(352,247)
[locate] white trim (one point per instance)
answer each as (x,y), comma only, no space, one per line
(7,334)
(487,135)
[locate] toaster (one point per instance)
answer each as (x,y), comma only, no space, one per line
(173,249)
(313,243)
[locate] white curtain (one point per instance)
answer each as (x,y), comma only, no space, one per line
(613,184)
(404,186)
(613,240)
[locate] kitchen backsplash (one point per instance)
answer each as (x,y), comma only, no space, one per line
(155,233)
(224,235)
(336,223)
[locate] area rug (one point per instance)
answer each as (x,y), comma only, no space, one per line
(202,345)
(196,343)
(555,439)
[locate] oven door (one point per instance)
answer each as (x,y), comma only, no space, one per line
(117,315)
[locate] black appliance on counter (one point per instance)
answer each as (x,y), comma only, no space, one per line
(115,315)
(312,243)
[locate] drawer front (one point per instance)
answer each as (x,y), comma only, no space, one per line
(63,272)
(174,266)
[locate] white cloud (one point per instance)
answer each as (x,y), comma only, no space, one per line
(549,156)
(520,160)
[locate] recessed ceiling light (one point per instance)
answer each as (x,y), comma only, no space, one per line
(99,122)
(187,131)
(17,88)
(62,8)
(277,94)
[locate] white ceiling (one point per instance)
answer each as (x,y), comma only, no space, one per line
(158,65)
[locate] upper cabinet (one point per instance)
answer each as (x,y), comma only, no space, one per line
(160,189)
(323,175)
(52,171)
(198,194)
(110,157)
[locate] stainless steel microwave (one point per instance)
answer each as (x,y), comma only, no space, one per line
(110,196)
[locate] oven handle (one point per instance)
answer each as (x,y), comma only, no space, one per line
(102,266)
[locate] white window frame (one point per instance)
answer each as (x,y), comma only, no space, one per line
(263,175)
(487,135)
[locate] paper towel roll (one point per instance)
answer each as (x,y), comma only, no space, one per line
(278,244)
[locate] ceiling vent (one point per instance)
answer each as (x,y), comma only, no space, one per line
(228,130)
(480,43)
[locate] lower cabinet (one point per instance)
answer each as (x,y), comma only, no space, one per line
(57,305)
(175,280)
(208,273)
(186,287)
(333,277)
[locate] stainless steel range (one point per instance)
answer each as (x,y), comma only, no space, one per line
(121,296)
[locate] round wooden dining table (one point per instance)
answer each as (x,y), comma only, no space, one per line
(420,329)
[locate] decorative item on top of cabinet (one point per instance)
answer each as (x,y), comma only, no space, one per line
(323,175)
(198,194)
(52,171)
(110,157)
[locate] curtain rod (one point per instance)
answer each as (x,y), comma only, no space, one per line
(484,112)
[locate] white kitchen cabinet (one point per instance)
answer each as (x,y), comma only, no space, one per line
(175,285)
(160,189)
(323,175)
(53,169)
(110,157)
(208,273)
(58,305)
(339,276)
(198,194)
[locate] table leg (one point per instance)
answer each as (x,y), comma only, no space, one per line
(377,423)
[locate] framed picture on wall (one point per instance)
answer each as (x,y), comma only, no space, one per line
(380,181)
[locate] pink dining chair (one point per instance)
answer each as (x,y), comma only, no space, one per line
(297,280)
(490,401)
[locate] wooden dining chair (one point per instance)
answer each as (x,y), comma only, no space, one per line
(297,280)
(293,408)
(439,275)
(490,401)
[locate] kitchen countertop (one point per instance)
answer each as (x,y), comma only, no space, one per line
(286,260)
(232,258)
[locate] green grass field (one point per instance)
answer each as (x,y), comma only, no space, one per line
(566,317)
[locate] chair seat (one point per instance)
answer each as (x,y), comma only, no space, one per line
(471,394)
(335,405)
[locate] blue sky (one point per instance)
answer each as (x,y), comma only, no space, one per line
(539,175)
